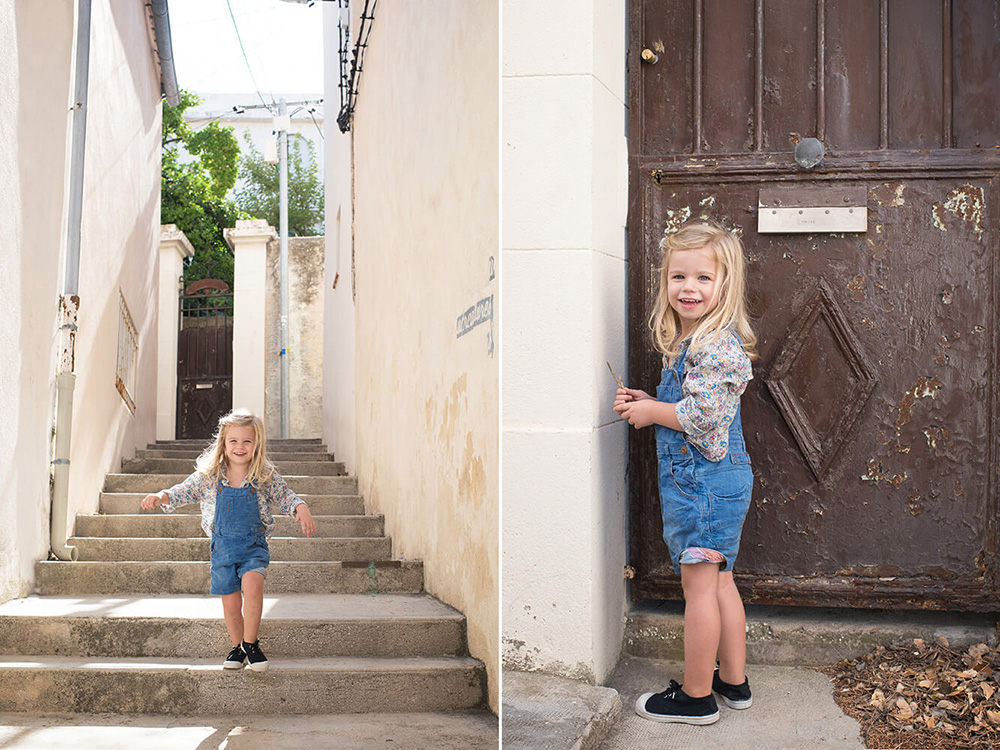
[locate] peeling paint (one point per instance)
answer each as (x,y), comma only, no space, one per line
(708,202)
(947,296)
(877,473)
(676,219)
(935,435)
(923,388)
(857,289)
(897,199)
(965,202)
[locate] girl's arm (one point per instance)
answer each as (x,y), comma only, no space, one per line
(286,500)
(191,490)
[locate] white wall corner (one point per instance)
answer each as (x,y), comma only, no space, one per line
(174,248)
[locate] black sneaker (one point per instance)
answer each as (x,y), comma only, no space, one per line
(255,657)
(235,659)
(674,705)
(734,696)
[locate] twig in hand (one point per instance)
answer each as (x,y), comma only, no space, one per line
(617,379)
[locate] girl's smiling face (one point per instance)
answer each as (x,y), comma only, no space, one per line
(692,285)
(240,444)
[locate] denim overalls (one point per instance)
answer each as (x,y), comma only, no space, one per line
(239,544)
(703,503)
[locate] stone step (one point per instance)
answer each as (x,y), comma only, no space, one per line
(193,453)
(114,503)
(300,485)
(294,625)
(282,548)
(183,687)
(475,729)
(64,578)
(806,636)
(203,442)
(181,465)
(187,525)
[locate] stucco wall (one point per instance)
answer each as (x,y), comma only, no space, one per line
(565,184)
(339,412)
(425,242)
(120,237)
(305,337)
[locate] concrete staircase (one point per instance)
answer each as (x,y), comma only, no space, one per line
(130,627)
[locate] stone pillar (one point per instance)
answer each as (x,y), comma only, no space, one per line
(249,243)
(174,248)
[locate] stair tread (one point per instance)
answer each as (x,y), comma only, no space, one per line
(333,664)
(276,607)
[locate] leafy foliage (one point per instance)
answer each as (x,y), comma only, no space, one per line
(193,194)
(258,196)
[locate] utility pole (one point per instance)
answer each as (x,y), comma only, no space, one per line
(282,123)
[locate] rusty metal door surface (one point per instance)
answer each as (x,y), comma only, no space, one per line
(204,358)
(872,417)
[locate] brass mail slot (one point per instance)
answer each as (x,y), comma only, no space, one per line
(788,209)
(203,386)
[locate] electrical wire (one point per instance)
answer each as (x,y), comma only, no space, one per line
(245,59)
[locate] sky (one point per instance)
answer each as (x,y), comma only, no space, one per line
(283,42)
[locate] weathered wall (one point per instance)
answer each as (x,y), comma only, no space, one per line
(425,239)
(305,337)
(120,233)
(339,412)
(565,184)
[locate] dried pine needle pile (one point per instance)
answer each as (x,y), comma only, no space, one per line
(923,696)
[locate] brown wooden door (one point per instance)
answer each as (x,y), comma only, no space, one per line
(204,358)
(871,419)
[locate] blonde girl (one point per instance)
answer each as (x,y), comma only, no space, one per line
(700,325)
(236,485)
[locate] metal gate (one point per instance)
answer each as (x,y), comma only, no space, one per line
(871,420)
(204,358)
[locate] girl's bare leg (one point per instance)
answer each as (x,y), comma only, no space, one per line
(702,626)
(253,604)
(232,605)
(733,634)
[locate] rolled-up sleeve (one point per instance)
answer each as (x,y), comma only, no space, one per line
(715,377)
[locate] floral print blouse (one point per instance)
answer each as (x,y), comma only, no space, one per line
(200,488)
(715,376)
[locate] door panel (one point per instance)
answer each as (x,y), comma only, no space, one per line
(871,417)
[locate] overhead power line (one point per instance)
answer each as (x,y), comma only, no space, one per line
(245,59)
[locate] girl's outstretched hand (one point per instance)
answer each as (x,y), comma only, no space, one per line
(151,501)
(304,516)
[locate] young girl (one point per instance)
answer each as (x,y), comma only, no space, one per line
(700,325)
(235,484)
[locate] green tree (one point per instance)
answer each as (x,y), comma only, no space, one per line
(258,196)
(193,192)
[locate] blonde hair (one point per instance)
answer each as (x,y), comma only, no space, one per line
(211,461)
(730,311)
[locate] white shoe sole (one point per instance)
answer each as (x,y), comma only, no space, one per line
(232,665)
(258,667)
(640,708)
(738,705)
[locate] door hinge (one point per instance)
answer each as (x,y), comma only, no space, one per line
(629,572)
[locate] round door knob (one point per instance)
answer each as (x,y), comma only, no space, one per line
(650,57)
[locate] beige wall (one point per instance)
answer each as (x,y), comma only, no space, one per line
(120,238)
(305,337)
(425,241)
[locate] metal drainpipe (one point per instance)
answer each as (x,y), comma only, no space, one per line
(69,302)
(283,262)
